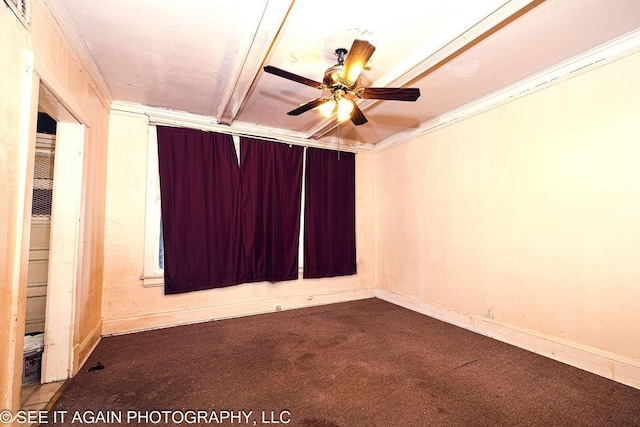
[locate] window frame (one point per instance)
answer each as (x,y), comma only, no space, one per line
(153,274)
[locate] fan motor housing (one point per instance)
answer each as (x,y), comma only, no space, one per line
(332,79)
(332,76)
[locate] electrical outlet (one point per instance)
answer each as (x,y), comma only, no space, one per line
(278,308)
(489,313)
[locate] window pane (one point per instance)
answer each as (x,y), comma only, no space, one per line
(161,251)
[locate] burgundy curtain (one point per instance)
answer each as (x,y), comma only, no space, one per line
(199,187)
(271,191)
(329,214)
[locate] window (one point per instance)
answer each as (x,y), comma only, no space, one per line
(153,274)
(153,254)
(330,220)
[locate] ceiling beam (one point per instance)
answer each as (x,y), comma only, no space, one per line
(250,58)
(430,61)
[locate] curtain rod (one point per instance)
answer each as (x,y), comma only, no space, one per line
(282,139)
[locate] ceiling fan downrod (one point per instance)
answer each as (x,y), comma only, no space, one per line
(340,53)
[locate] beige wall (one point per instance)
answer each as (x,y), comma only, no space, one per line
(523,222)
(129,306)
(58,67)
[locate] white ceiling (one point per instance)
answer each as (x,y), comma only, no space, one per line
(206,56)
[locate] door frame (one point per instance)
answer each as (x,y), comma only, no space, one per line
(65,246)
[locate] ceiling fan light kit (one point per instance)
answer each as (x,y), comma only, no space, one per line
(342,81)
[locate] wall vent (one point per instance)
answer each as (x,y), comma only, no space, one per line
(21,8)
(43,176)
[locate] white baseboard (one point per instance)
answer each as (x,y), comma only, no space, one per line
(203,314)
(81,351)
(606,364)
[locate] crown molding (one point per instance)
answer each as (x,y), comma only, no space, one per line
(596,57)
(603,54)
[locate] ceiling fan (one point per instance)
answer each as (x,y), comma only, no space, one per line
(342,80)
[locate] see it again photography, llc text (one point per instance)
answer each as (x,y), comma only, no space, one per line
(160,417)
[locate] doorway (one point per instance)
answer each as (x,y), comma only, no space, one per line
(59,208)
(32,394)
(37,278)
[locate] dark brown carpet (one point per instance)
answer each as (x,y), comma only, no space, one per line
(361,363)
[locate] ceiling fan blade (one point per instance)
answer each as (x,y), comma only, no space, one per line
(357,58)
(389,93)
(308,106)
(294,77)
(356,115)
